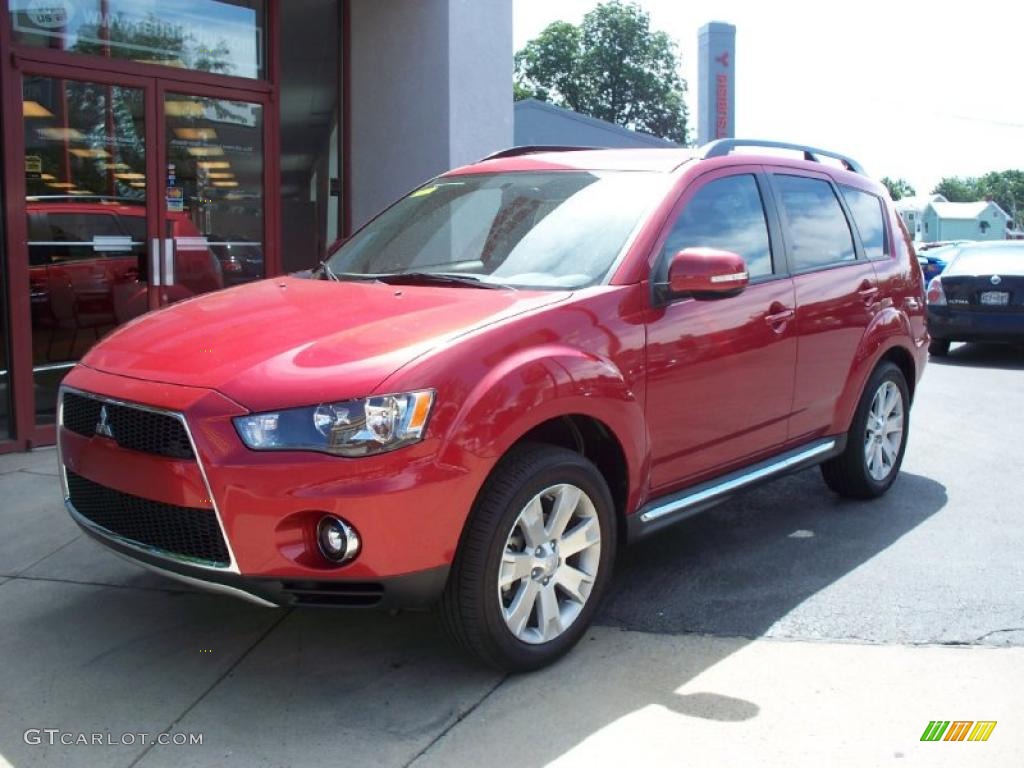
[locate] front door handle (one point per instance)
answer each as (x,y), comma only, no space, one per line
(778,315)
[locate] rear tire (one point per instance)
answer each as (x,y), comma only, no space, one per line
(534,560)
(939,347)
(877,438)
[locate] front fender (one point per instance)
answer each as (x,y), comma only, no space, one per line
(543,383)
(890,328)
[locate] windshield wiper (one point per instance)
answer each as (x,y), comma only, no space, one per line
(327,272)
(440,278)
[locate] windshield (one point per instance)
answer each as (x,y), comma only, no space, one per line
(551,229)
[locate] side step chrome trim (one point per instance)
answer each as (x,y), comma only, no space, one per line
(667,510)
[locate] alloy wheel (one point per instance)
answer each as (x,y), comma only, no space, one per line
(884,434)
(549,563)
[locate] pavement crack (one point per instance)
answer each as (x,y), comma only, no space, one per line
(996,632)
(444,732)
(231,668)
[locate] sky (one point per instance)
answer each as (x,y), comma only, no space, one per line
(919,90)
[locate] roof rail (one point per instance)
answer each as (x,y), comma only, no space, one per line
(723,147)
(533,149)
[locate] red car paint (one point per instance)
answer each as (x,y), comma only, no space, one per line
(689,390)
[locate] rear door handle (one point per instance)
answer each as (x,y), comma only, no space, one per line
(867,292)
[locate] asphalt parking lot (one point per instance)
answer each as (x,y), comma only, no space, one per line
(786,627)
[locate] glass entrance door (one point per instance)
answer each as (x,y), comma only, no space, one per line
(87,205)
(136,196)
(212,193)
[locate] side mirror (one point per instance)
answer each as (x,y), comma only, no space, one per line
(707,273)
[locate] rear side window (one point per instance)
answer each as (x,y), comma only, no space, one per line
(817,231)
(868,217)
(726,214)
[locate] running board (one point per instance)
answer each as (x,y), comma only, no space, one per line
(668,510)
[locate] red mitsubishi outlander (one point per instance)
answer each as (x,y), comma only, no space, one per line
(503,379)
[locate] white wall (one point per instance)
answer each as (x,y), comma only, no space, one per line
(431,88)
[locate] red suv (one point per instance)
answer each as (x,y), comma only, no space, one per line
(515,370)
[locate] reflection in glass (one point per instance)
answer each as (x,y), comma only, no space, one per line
(214,195)
(219,36)
(85,166)
(819,232)
(867,216)
(727,214)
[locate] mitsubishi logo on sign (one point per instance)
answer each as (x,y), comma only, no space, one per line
(723,59)
(103,427)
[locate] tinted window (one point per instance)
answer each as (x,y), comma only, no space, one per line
(818,233)
(727,214)
(867,216)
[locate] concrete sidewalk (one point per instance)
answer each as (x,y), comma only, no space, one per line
(92,644)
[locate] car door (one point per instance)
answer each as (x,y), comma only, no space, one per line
(720,371)
(836,294)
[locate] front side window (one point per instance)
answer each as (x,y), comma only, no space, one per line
(552,229)
(817,231)
(726,214)
(868,216)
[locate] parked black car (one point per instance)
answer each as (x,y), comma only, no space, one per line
(979,296)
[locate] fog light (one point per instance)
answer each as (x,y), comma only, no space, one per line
(338,541)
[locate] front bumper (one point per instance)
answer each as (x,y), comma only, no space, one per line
(414,591)
(408,508)
(955,324)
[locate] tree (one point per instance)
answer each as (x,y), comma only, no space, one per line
(1006,188)
(612,67)
(958,190)
(898,188)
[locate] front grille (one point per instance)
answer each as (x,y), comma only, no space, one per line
(132,428)
(183,531)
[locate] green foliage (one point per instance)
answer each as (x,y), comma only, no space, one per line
(612,67)
(958,190)
(1006,188)
(898,188)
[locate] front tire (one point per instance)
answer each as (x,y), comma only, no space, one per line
(877,439)
(534,560)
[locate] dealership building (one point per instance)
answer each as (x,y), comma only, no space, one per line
(156,150)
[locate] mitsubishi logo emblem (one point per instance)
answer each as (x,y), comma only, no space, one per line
(103,427)
(723,59)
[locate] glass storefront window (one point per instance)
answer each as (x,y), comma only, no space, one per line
(221,36)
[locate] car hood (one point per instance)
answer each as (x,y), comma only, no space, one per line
(287,342)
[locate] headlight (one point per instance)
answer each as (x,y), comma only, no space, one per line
(353,428)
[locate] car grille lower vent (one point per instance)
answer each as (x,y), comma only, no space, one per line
(135,429)
(354,594)
(185,532)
